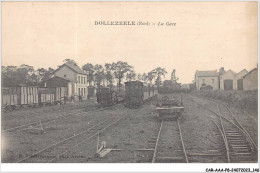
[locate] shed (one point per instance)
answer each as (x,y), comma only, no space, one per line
(231,80)
(250,80)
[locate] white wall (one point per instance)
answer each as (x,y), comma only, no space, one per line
(207,81)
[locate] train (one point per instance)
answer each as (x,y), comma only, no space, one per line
(19,96)
(135,93)
(106,97)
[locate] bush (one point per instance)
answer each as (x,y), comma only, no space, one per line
(246,100)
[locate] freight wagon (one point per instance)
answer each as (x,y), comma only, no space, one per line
(137,92)
(19,96)
(134,94)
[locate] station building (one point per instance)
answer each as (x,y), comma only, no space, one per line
(207,78)
(74,77)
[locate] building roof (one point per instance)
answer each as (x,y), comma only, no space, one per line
(56,82)
(74,67)
(212,73)
(250,72)
(241,73)
(229,71)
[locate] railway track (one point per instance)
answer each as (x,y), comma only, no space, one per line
(40,122)
(239,145)
(55,151)
(169,133)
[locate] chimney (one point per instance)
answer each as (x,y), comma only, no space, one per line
(222,71)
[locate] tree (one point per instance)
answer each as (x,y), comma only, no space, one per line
(168,84)
(131,76)
(120,69)
(9,75)
(89,68)
(99,75)
(69,61)
(159,72)
(109,74)
(139,77)
(24,73)
(144,77)
(151,76)
(44,74)
(12,75)
(158,81)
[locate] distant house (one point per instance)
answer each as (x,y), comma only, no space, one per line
(206,78)
(231,80)
(250,80)
(77,85)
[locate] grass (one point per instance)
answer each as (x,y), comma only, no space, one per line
(246,100)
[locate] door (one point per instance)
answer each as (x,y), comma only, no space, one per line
(228,84)
(240,84)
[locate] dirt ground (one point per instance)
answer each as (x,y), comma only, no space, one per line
(132,139)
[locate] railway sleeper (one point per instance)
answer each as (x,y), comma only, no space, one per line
(238,147)
(235,136)
(233,153)
(230,131)
(236,140)
(239,150)
(235,145)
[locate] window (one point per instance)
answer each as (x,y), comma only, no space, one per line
(79,91)
(64,76)
(84,90)
(84,80)
(79,79)
(213,81)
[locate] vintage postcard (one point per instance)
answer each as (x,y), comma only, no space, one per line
(130,82)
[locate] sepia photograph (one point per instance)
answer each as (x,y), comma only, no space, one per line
(129,82)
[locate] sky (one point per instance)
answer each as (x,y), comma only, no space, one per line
(207,35)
